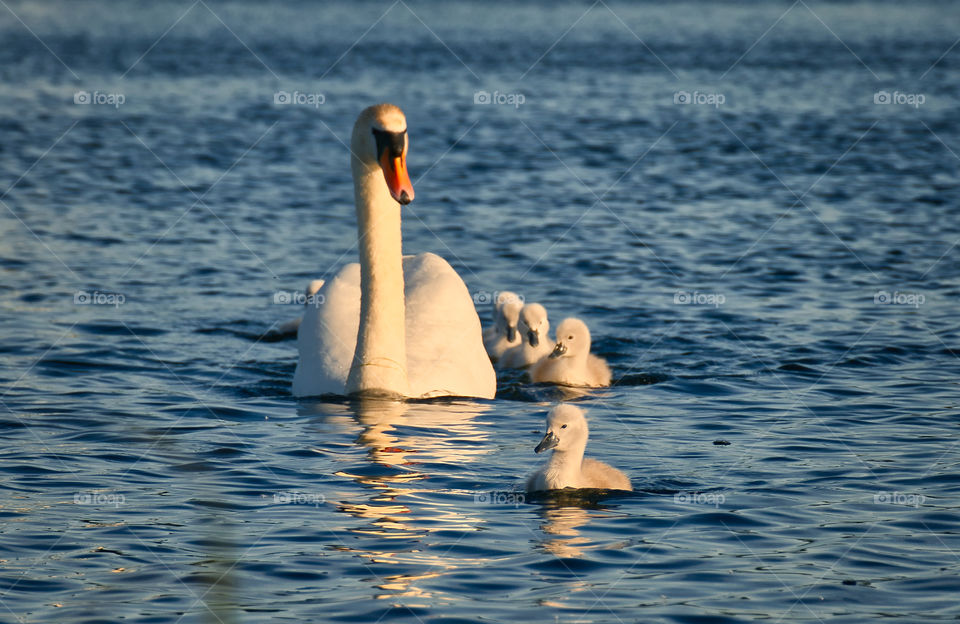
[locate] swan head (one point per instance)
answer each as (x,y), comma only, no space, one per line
(380,142)
(566,430)
(573,338)
(510,315)
(534,323)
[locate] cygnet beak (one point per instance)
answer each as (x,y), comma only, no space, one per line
(548,442)
(558,350)
(533,337)
(511,333)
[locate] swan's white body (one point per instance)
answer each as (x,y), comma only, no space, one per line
(534,330)
(571,363)
(442,344)
(503,335)
(390,325)
(567,434)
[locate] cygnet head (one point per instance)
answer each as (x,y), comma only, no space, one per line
(502,298)
(566,430)
(510,317)
(380,142)
(533,323)
(573,338)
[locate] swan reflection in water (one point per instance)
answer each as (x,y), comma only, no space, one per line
(564,513)
(399,437)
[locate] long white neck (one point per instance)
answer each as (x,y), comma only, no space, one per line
(380,360)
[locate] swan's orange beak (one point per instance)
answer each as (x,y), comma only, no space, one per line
(398,180)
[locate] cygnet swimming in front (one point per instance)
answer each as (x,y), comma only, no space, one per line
(503,335)
(566,435)
(535,342)
(571,363)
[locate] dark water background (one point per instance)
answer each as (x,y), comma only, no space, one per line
(156,469)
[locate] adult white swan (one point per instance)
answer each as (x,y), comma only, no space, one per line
(391,325)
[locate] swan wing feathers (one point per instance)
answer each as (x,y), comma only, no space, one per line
(599,371)
(445,354)
(596,474)
(328,336)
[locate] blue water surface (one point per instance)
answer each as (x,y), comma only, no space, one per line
(754,205)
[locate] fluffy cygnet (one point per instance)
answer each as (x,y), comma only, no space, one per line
(571,363)
(494,330)
(503,335)
(535,342)
(566,435)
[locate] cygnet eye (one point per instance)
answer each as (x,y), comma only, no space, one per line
(569,337)
(563,426)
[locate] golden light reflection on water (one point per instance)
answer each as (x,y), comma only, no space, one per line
(560,526)
(404,436)
(564,513)
(405,585)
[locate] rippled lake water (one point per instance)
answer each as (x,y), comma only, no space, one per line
(753,205)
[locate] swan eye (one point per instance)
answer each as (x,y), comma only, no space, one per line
(393,141)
